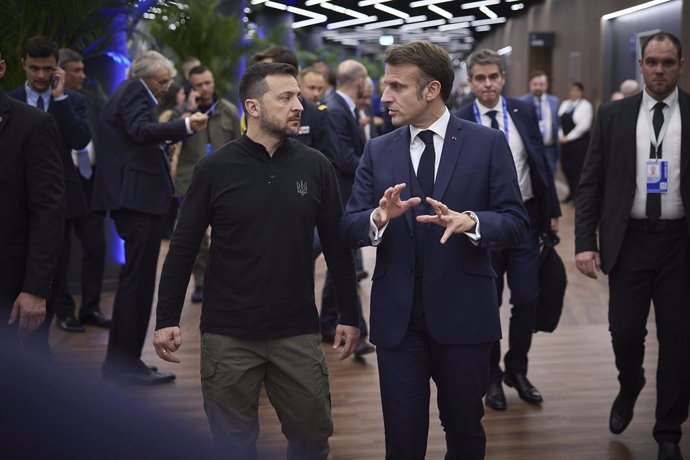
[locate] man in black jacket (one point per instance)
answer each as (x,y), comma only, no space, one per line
(262,195)
(635,187)
(32,212)
(133,182)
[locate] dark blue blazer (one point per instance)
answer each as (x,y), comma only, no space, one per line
(476,173)
(133,172)
(524,116)
(73,126)
(350,140)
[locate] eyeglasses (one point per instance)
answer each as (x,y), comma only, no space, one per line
(165,84)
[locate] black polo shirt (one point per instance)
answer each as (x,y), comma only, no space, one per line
(262,211)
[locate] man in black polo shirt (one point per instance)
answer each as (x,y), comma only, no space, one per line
(262,195)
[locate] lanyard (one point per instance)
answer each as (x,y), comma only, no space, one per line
(656,142)
(540,115)
(211,109)
(478,117)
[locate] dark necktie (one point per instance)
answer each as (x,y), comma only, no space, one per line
(653,209)
(425,171)
(40,105)
(492,115)
(537,107)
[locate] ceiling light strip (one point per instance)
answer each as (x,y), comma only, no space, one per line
(351,22)
(486,22)
(382,24)
(370,2)
(632,9)
(393,11)
(423,25)
(440,11)
(467,6)
(454,26)
(421,3)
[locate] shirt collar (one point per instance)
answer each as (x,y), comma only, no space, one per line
(498,108)
(438,127)
(33,95)
(650,102)
(350,103)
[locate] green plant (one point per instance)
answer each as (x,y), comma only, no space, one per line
(198,28)
(77,24)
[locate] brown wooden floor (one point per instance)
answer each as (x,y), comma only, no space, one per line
(573,368)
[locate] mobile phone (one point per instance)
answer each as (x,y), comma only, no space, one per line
(197,99)
(54,81)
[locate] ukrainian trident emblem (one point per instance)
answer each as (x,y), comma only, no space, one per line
(302,188)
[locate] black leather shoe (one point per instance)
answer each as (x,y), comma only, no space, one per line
(495,398)
(525,389)
(198,294)
(669,451)
(364,347)
(70,324)
(95,318)
(622,409)
(140,378)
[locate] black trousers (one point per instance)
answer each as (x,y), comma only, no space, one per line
(521,265)
(573,156)
(133,301)
(89,230)
(654,266)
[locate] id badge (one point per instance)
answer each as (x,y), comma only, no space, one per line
(657,176)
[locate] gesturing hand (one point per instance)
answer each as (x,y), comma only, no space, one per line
(198,121)
(391,206)
(453,221)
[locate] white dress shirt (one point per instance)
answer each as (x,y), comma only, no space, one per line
(671,202)
(583,113)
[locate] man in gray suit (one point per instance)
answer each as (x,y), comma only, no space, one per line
(546,106)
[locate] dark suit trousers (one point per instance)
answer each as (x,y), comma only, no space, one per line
(654,266)
(132,308)
(90,232)
(460,373)
(573,155)
(521,265)
(552,156)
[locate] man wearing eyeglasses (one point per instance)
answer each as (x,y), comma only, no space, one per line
(133,182)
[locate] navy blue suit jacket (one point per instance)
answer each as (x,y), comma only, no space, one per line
(133,172)
(350,140)
(555,121)
(73,126)
(524,116)
(476,173)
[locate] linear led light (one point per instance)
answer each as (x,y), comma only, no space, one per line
(462,19)
(382,24)
(440,11)
(457,25)
(371,2)
(340,9)
(257,2)
(505,50)
(423,25)
(393,11)
(314,2)
(482,28)
(412,19)
(517,6)
(632,9)
(421,3)
(308,22)
(351,22)
(467,6)
(486,22)
(488,12)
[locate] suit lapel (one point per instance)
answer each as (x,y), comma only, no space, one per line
(452,146)
(401,167)
(684,103)
(4,110)
(626,141)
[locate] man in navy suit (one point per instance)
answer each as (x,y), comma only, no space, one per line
(433,197)
(518,122)
(546,105)
(133,182)
(45,89)
(350,139)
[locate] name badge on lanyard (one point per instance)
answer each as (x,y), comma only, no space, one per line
(657,176)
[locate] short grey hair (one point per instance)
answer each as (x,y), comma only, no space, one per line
(148,63)
(68,55)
